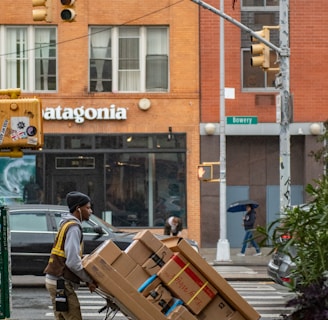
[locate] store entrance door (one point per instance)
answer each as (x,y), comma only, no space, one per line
(89,184)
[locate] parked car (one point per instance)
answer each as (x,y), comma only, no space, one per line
(33,229)
(280,266)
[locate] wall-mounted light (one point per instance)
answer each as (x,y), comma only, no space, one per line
(129,139)
(210,128)
(170,135)
(144,104)
(315,129)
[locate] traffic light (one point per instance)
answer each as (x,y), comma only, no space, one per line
(68,13)
(205,172)
(43,11)
(260,52)
(21,124)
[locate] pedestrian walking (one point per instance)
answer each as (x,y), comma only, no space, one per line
(248,222)
(64,271)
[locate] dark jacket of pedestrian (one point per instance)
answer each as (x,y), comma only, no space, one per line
(249,219)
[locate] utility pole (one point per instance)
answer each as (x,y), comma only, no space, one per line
(282,82)
(286,102)
(223,246)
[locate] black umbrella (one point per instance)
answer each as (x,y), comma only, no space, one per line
(240,205)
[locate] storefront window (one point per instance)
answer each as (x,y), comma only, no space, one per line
(134,180)
(144,190)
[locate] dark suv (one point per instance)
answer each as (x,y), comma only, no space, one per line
(33,229)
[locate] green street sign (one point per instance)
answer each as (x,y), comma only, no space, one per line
(241,120)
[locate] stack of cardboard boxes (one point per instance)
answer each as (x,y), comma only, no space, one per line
(166,279)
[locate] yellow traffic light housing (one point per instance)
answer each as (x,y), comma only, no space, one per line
(260,52)
(43,12)
(20,125)
(68,13)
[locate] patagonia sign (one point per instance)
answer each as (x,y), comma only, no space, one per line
(80,114)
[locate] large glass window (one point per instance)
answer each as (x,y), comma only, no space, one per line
(134,180)
(145,189)
(45,59)
(29,58)
(129,59)
(16,58)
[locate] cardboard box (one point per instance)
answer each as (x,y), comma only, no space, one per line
(161,298)
(137,276)
(216,309)
(182,313)
(113,283)
(139,252)
(149,287)
(147,238)
(236,316)
(157,260)
(228,293)
(187,283)
(123,264)
(108,250)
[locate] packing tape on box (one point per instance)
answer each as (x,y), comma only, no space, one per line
(147,283)
(185,268)
(157,259)
(177,302)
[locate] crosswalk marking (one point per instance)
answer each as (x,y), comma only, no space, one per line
(267,300)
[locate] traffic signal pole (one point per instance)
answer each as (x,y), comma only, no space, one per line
(282,82)
(286,103)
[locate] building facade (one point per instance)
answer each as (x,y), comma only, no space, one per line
(252,148)
(119,87)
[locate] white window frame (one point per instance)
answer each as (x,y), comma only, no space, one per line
(142,58)
(259,8)
(30,56)
(253,89)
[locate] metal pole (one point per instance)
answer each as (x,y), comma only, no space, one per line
(236,23)
(285,176)
(223,247)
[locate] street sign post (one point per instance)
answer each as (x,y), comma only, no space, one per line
(5,287)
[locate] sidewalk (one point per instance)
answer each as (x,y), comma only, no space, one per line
(240,268)
(209,254)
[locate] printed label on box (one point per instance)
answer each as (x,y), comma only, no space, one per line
(186,282)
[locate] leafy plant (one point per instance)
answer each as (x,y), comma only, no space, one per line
(307,227)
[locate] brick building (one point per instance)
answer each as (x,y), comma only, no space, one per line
(252,151)
(120,93)
(127,90)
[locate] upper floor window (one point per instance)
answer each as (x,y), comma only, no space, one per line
(254,78)
(28,58)
(129,59)
(260,3)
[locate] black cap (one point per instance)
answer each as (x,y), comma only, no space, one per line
(76,199)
